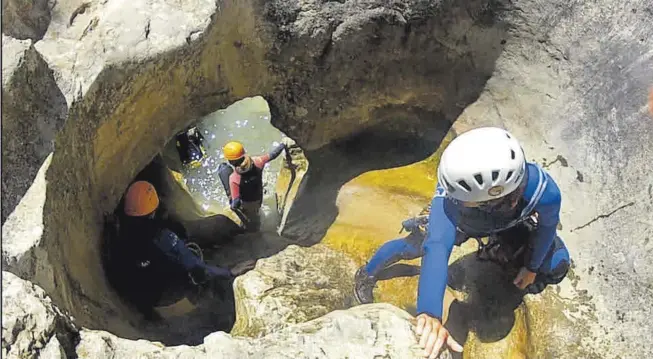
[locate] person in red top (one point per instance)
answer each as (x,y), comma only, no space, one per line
(245,189)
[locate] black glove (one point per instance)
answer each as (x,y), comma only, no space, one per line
(214,271)
(236,204)
(198,275)
(277,151)
(413,224)
(203,274)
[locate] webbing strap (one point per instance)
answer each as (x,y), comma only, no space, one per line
(542,182)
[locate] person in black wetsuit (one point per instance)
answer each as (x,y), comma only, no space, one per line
(190,148)
(149,254)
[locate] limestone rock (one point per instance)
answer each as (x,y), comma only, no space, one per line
(32,327)
(297,285)
(370,331)
(386,80)
(132,81)
(33,110)
(99,344)
(25,19)
(22,250)
(53,350)
(98,34)
(289,182)
(574,89)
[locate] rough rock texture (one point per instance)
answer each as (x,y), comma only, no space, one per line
(22,233)
(133,81)
(294,286)
(372,331)
(26,19)
(568,77)
(289,183)
(33,110)
(32,327)
(572,84)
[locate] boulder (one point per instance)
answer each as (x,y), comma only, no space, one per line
(293,286)
(33,111)
(26,19)
(32,326)
(372,331)
(22,251)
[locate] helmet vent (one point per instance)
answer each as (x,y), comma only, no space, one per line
(508,135)
(450,188)
(464,185)
(520,175)
(509,176)
(495,175)
(479,179)
(512,154)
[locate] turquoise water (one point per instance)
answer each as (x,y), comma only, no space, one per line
(247,121)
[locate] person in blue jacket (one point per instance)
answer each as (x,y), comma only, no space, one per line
(485,189)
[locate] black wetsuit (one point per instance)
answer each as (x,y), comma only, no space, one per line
(148,256)
(189,146)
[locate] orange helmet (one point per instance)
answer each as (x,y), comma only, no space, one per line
(233,151)
(141,199)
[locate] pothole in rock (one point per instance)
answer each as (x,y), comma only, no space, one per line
(178,305)
(246,121)
(351,108)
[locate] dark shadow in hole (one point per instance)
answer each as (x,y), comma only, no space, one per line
(204,309)
(456,65)
(491,300)
(398,270)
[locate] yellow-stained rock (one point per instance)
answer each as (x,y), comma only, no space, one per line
(371,208)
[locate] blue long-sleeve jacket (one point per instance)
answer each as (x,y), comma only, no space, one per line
(442,233)
(175,249)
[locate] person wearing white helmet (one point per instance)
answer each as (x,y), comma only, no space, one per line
(486,188)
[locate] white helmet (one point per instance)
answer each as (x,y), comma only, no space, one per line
(482,164)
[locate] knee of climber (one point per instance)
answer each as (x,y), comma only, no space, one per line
(394,251)
(556,265)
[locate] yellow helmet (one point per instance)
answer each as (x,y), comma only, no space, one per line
(233,151)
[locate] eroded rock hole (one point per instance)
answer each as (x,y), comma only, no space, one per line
(166,264)
(404,136)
